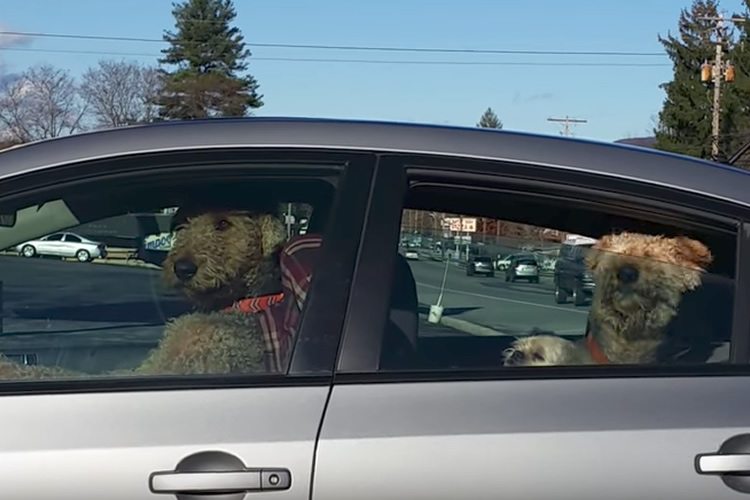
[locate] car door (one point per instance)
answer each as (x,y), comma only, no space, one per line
(450,420)
(50,245)
(71,244)
(79,422)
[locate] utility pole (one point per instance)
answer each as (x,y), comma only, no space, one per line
(714,73)
(566,123)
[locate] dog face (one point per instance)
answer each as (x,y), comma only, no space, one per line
(636,273)
(541,350)
(218,257)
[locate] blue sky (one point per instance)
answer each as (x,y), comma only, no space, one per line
(617,101)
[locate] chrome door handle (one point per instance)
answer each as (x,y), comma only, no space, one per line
(731,463)
(205,482)
(211,483)
(210,473)
(716,463)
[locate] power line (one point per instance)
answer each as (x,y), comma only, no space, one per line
(351,61)
(370,48)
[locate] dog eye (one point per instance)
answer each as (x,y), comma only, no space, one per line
(222,225)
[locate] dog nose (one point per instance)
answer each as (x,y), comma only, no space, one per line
(185,269)
(627,274)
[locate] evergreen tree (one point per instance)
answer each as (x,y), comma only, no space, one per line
(685,119)
(209,56)
(489,120)
(739,106)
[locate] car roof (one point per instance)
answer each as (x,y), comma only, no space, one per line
(617,160)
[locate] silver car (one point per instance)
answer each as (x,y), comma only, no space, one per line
(63,245)
(388,383)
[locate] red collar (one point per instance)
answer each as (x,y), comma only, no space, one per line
(255,304)
(596,351)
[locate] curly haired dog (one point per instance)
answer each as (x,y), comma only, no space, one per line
(225,262)
(222,261)
(640,280)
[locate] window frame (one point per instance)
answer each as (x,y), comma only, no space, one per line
(360,353)
(329,290)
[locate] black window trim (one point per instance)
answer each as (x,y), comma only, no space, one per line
(360,354)
(355,175)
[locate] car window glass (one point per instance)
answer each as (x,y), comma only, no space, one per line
(173,286)
(54,237)
(72,238)
(545,305)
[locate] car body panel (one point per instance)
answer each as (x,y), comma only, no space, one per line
(528,439)
(129,436)
(625,162)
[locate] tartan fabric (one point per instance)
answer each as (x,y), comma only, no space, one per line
(279,321)
(255,304)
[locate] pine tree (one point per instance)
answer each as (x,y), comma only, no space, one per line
(685,119)
(489,120)
(209,56)
(739,107)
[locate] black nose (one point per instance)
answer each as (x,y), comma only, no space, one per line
(627,274)
(185,269)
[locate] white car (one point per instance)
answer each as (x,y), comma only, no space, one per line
(63,245)
(411,254)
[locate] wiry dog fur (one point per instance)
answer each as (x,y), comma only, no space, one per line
(235,256)
(640,280)
(231,255)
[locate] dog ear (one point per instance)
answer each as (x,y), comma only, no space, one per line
(272,233)
(594,254)
(693,252)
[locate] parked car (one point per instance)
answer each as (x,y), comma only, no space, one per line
(522,267)
(572,277)
(362,404)
(480,264)
(63,245)
(411,254)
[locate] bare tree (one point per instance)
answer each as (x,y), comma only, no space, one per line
(121,93)
(42,103)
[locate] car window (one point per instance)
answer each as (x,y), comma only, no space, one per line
(204,276)
(72,238)
(646,296)
(54,237)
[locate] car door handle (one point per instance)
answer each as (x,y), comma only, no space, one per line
(211,473)
(731,463)
(716,463)
(205,482)
(211,483)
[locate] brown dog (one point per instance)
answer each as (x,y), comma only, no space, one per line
(225,262)
(640,280)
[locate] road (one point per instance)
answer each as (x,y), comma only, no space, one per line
(510,308)
(91,316)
